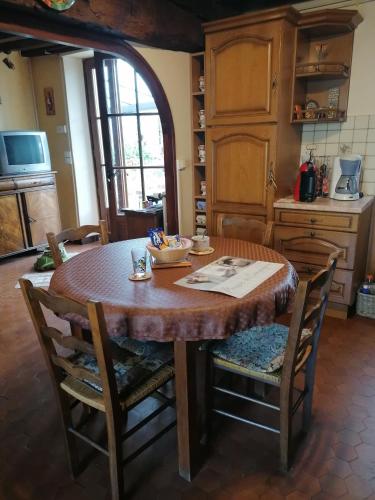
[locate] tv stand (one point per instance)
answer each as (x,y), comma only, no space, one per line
(28,210)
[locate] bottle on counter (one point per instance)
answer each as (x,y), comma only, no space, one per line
(368,286)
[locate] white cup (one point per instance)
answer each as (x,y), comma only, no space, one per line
(200,242)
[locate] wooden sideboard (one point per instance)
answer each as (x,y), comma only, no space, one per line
(306,233)
(28,210)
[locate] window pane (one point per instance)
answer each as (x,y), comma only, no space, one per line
(152,141)
(119,86)
(128,188)
(124,141)
(146,103)
(100,140)
(95,90)
(154,180)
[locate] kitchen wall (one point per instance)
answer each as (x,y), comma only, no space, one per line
(17,95)
(357,134)
(47,72)
(173,71)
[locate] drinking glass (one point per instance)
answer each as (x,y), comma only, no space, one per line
(139,256)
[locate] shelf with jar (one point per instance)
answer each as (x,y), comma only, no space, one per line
(322,65)
(199,141)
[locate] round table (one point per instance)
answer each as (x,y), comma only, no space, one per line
(158,309)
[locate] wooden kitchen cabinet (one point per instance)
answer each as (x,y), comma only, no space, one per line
(252,150)
(240,170)
(306,233)
(28,210)
(11,232)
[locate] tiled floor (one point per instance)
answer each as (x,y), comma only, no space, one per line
(336,460)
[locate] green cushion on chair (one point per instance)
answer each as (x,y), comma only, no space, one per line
(259,349)
(139,362)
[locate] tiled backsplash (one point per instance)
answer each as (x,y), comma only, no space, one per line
(356,135)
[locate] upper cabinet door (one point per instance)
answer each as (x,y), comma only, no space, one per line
(242,74)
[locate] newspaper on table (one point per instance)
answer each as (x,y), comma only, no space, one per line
(233,276)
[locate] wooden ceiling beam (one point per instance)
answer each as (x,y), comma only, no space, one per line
(157,23)
(47,50)
(22,43)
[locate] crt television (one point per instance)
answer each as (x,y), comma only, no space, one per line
(23,152)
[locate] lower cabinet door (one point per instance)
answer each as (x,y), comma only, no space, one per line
(314,246)
(42,214)
(11,232)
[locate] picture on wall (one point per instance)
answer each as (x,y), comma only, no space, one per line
(49,100)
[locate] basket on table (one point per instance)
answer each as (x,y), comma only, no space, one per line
(366,302)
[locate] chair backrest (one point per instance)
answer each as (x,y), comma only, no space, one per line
(244,228)
(75,235)
(58,365)
(308,313)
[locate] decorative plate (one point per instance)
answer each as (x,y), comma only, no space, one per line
(59,4)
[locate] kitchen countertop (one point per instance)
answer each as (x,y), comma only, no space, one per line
(326,205)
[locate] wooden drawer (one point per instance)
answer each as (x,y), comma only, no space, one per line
(6,185)
(342,290)
(313,246)
(32,182)
(326,220)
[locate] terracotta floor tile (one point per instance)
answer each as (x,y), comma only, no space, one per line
(336,458)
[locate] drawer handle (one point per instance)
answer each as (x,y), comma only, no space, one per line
(312,220)
(312,234)
(308,270)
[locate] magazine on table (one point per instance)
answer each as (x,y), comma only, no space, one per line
(233,276)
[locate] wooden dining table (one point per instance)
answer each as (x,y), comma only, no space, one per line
(160,310)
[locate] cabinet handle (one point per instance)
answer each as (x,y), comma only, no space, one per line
(271,177)
(274,82)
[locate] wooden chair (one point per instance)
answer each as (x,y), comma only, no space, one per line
(295,350)
(75,235)
(89,376)
(245,228)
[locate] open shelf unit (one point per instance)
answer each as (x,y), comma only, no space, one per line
(322,65)
(199,142)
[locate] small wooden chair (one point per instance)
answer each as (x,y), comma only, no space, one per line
(91,377)
(274,355)
(245,228)
(76,234)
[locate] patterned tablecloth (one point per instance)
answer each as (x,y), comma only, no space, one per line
(158,309)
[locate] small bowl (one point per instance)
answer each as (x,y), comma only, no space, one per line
(169,255)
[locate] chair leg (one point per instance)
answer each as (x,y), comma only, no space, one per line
(70,440)
(210,381)
(285,440)
(115,458)
(309,388)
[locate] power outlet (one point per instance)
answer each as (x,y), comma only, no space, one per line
(61,129)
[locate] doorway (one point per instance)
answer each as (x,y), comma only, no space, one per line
(127,130)
(110,49)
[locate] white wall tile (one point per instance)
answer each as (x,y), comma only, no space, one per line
(371,121)
(320,150)
(359,148)
(307,137)
(370,149)
(333,136)
(321,126)
(332,149)
(368,188)
(346,135)
(349,124)
(360,135)
(334,126)
(371,135)
(370,162)
(368,176)
(308,127)
(320,137)
(361,121)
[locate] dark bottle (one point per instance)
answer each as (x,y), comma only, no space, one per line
(308,184)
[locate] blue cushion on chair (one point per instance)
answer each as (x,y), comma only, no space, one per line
(259,349)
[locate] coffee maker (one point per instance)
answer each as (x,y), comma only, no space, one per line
(345,177)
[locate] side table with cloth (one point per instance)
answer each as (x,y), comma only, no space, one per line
(159,310)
